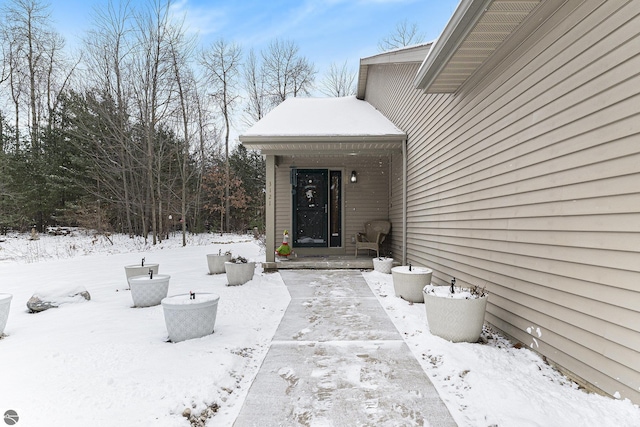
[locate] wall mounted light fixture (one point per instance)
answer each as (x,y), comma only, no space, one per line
(354,177)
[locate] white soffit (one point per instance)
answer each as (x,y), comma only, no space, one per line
(474,33)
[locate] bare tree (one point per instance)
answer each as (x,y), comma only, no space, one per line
(187,114)
(222,63)
(146,116)
(37,66)
(152,90)
(108,50)
(405,34)
(27,23)
(255,88)
(57,76)
(338,81)
(14,76)
(37,74)
(286,73)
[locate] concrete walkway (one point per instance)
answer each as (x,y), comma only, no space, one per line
(338,360)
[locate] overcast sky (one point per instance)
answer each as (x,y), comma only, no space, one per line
(325,30)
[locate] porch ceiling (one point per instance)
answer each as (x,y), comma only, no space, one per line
(477,30)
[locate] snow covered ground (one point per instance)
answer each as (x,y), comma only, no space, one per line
(104,363)
(496,384)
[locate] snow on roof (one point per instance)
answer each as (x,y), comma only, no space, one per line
(347,116)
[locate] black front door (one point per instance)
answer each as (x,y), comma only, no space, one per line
(310,208)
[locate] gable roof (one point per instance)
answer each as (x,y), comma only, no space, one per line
(323,125)
(404,55)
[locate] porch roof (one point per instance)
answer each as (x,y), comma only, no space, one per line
(323,125)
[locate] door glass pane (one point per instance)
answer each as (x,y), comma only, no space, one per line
(335,209)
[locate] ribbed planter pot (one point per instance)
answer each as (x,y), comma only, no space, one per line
(408,284)
(216,262)
(146,291)
(239,273)
(5,305)
(190,316)
(140,270)
(383,265)
(455,319)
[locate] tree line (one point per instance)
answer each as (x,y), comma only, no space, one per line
(133,134)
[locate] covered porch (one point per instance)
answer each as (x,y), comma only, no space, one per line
(329,169)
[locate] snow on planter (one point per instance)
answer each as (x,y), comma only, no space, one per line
(149,290)
(408,282)
(456,317)
(5,305)
(140,269)
(191,315)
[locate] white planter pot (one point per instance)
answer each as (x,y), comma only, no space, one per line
(455,319)
(188,318)
(216,263)
(408,284)
(239,273)
(148,292)
(383,265)
(5,305)
(139,270)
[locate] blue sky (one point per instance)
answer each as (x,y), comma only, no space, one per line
(325,30)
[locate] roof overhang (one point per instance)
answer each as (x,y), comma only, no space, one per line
(477,30)
(325,145)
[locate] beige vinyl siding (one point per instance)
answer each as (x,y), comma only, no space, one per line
(368,199)
(395,209)
(528,181)
(283,202)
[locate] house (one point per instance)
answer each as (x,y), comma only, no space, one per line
(515,166)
